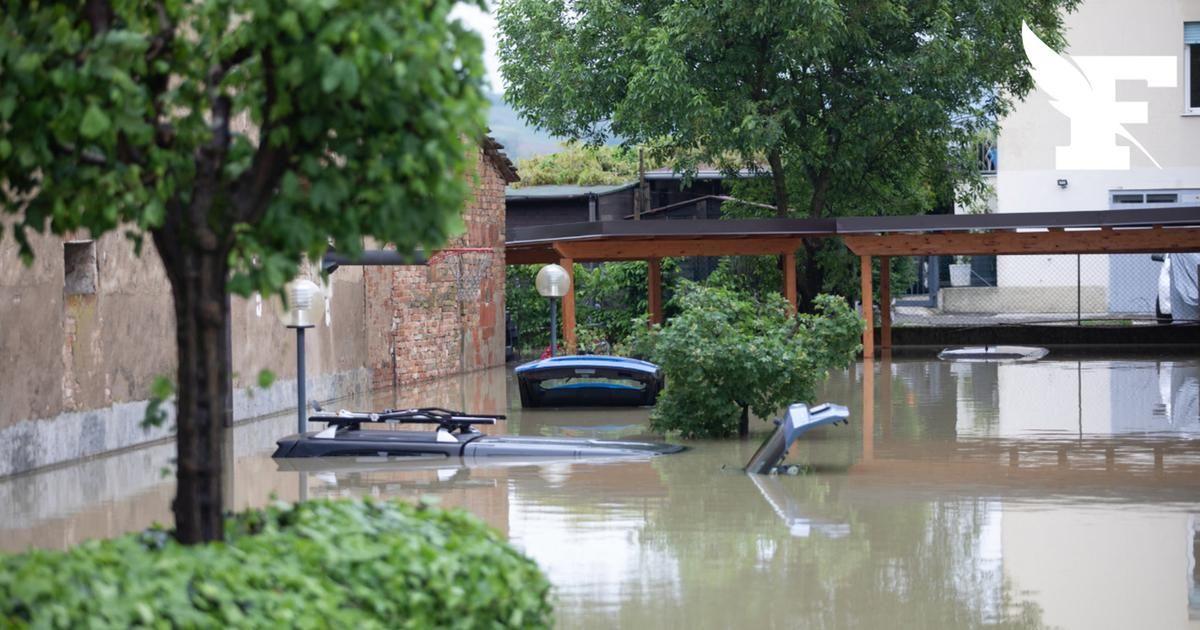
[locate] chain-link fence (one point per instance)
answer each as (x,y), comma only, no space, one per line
(1095,289)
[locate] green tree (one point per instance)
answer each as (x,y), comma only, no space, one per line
(359,118)
(854,106)
(726,355)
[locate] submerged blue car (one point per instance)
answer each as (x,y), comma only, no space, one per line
(589,381)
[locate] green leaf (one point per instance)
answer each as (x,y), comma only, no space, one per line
(162,387)
(95,122)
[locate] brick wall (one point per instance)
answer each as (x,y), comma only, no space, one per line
(422,322)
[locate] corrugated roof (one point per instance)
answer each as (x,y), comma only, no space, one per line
(563,191)
(494,152)
(703,171)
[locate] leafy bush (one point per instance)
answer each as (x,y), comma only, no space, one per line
(609,298)
(583,165)
(727,354)
(319,564)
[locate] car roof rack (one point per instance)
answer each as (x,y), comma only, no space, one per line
(445,418)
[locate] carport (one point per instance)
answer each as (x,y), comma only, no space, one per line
(1164,230)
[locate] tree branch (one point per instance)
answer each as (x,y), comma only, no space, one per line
(99,15)
(218,71)
(85,156)
(165,35)
(255,186)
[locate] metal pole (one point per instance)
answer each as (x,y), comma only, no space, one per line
(553,325)
(301,395)
(1079,294)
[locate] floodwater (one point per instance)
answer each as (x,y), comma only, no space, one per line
(1060,493)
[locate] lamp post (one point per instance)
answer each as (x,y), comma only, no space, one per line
(553,282)
(300,317)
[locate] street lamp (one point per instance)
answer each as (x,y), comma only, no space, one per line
(301,294)
(553,282)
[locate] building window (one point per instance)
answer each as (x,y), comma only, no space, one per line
(1191,66)
(79,267)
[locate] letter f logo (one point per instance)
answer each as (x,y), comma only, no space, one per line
(1086,93)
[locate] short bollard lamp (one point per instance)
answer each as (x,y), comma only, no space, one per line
(553,282)
(301,294)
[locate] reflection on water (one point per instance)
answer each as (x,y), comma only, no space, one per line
(1054,494)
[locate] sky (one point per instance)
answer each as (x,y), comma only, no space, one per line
(485,24)
(520,140)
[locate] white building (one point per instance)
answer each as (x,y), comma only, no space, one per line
(1050,162)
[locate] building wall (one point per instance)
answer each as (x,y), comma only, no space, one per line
(1030,134)
(615,206)
(426,321)
(1028,178)
(77,369)
(534,212)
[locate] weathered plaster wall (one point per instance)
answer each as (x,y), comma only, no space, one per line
(77,368)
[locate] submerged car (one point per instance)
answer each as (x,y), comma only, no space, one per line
(590,381)
(455,435)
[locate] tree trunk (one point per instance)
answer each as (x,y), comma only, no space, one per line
(198,285)
(744,423)
(778,177)
(813,278)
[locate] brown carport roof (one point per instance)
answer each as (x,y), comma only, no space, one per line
(639,240)
(1085,232)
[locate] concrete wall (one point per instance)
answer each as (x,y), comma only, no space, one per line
(77,367)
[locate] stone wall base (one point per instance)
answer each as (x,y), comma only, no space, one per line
(33,444)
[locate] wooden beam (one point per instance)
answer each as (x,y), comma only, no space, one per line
(599,250)
(789,278)
(654,290)
(868,315)
(543,256)
(569,307)
(1103,241)
(885,303)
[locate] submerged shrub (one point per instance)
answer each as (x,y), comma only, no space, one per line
(728,354)
(318,564)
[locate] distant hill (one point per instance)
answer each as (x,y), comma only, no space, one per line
(520,139)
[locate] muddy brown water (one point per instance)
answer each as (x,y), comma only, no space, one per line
(1059,493)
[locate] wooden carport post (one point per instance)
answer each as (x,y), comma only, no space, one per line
(885,302)
(654,290)
(568,304)
(868,342)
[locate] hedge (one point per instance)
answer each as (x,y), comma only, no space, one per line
(318,564)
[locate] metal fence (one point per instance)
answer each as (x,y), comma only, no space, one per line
(1112,289)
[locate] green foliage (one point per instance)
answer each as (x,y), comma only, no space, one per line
(613,298)
(528,310)
(266,378)
(263,128)
(162,388)
(319,564)
(239,135)
(609,299)
(583,165)
(853,108)
(726,354)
